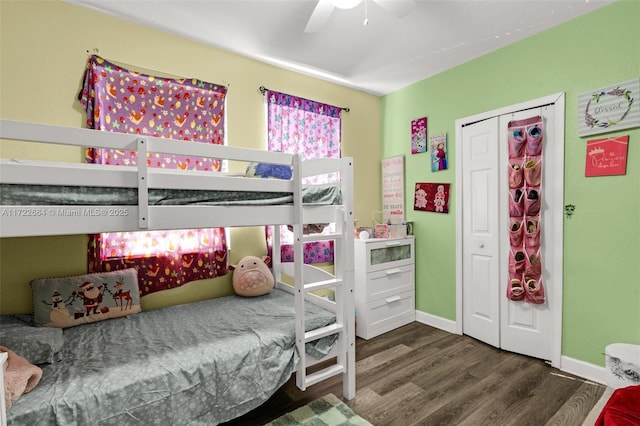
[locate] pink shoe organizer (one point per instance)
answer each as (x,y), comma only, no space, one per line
(525,152)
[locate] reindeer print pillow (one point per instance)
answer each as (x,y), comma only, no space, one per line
(81,299)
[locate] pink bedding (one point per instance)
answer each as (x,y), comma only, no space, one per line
(20,376)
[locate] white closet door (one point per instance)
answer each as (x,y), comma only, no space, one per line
(488,315)
(481,232)
(482,307)
(527,328)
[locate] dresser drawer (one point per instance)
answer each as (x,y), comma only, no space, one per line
(391,281)
(381,254)
(386,314)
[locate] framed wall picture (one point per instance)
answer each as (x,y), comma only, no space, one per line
(607,156)
(419,135)
(393,190)
(609,108)
(432,197)
(438,144)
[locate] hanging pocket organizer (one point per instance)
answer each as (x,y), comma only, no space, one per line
(525,143)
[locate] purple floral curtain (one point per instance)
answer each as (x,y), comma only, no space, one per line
(312,130)
(120,100)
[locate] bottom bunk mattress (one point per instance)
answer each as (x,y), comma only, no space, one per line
(201,363)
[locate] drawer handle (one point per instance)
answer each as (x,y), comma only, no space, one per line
(393,299)
(393,271)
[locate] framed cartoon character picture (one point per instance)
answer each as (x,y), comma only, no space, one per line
(419,135)
(438,144)
(431,197)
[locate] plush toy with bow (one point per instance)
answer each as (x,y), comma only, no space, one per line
(252,277)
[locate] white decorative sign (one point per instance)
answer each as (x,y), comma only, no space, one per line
(609,109)
(393,190)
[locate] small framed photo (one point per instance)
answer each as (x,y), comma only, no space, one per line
(381,231)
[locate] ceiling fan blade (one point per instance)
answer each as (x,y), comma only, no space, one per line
(399,8)
(320,16)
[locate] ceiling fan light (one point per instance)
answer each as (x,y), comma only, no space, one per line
(345,4)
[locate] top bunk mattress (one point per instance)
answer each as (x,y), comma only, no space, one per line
(40,195)
(200,363)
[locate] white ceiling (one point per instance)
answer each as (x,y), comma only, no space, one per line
(389,53)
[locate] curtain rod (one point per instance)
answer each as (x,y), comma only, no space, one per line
(263,90)
(155,73)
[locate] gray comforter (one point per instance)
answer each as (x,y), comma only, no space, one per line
(201,363)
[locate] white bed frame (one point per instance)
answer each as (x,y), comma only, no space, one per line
(3,410)
(18,221)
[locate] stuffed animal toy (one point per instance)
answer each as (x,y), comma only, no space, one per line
(252,277)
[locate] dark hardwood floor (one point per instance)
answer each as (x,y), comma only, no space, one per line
(419,375)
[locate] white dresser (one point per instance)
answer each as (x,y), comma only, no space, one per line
(384,285)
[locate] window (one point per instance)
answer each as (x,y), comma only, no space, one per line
(119,100)
(312,130)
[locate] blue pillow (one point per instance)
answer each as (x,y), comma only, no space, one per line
(263,170)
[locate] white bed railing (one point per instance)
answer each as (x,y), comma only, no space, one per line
(3,410)
(64,219)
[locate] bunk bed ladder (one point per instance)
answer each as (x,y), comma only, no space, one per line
(341,284)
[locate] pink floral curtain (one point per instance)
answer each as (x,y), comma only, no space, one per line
(120,100)
(312,130)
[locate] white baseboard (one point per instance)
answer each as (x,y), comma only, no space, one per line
(588,371)
(435,321)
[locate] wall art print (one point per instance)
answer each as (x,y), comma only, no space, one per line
(393,190)
(609,108)
(419,135)
(607,156)
(432,197)
(438,145)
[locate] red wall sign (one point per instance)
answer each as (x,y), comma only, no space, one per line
(607,156)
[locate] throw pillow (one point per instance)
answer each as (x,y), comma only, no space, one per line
(69,301)
(273,171)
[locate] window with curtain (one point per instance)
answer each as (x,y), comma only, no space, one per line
(120,100)
(312,130)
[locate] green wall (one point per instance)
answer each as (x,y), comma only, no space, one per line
(602,239)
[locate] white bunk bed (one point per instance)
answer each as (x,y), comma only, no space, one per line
(51,219)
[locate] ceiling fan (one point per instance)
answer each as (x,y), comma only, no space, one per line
(324,8)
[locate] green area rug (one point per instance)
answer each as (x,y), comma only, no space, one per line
(326,411)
